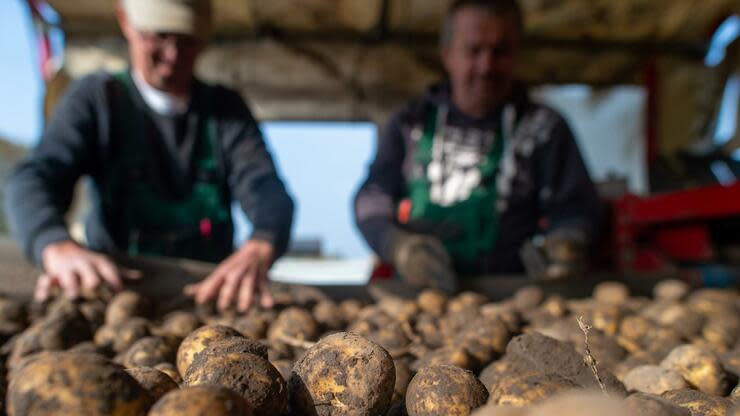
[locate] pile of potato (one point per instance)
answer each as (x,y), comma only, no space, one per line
(531,355)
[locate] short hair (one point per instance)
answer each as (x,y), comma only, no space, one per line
(503,8)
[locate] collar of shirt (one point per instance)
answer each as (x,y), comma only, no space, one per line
(160,102)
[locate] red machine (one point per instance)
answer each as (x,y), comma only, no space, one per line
(686,229)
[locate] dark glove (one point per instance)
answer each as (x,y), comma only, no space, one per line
(561,254)
(423,262)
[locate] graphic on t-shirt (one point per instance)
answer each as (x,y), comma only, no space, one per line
(454,171)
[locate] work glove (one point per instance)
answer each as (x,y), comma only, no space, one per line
(423,262)
(561,254)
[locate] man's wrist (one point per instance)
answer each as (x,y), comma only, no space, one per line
(263,249)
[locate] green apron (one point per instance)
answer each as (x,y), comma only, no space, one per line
(197,226)
(468,227)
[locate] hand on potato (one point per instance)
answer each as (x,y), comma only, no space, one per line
(73,268)
(239,278)
(423,262)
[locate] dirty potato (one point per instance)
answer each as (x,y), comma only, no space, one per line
(153,381)
(343,374)
(65,384)
(699,367)
(201,401)
(444,390)
(253,377)
(198,340)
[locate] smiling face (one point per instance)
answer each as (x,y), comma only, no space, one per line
(479,58)
(166,61)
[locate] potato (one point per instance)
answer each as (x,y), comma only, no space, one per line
(153,381)
(555,306)
(118,338)
(505,313)
(494,410)
(700,368)
(293,323)
(581,404)
(234,344)
(179,324)
(735,394)
(65,384)
(654,380)
(681,318)
(671,290)
(485,339)
(448,355)
(635,360)
(125,305)
(528,297)
(254,325)
(342,374)
(170,370)
(642,404)
(398,309)
(497,371)
(392,337)
(253,377)
(198,340)
(538,353)
(94,313)
(735,411)
(55,332)
(427,327)
(465,300)
(148,352)
(698,403)
(350,309)
(432,301)
(444,390)
(529,388)
(328,315)
(713,302)
(201,401)
(722,331)
(614,293)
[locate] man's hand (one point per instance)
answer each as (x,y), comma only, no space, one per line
(239,278)
(559,255)
(423,262)
(73,268)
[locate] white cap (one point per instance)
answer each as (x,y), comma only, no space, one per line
(187,17)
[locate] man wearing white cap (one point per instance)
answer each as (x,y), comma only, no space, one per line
(167,154)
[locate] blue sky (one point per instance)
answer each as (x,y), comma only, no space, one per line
(21,87)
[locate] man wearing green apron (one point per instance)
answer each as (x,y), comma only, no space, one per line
(167,154)
(473,177)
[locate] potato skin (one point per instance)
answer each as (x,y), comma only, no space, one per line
(201,401)
(153,381)
(65,384)
(444,390)
(525,389)
(199,340)
(343,373)
(125,305)
(653,379)
(148,352)
(252,377)
(699,367)
(698,403)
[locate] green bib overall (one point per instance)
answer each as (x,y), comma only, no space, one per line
(197,226)
(468,227)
